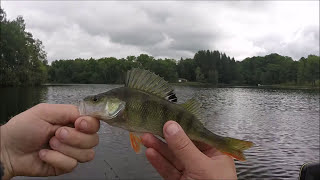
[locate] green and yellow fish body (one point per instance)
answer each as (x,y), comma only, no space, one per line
(144,105)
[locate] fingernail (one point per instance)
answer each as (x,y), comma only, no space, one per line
(43,152)
(172,129)
(83,124)
(63,133)
(54,143)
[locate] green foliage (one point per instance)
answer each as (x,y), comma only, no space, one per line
(186,69)
(22,58)
(199,75)
(213,77)
(208,67)
(308,70)
(270,69)
(216,67)
(108,70)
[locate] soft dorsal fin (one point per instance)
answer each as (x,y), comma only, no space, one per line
(149,82)
(193,106)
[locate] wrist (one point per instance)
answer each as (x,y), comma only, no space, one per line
(6,169)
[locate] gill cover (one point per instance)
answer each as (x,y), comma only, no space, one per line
(113,107)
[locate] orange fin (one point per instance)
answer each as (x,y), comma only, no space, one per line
(236,155)
(236,147)
(135,142)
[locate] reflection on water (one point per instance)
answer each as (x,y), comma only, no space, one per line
(15,100)
(284,125)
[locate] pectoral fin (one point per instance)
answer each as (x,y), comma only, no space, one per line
(135,142)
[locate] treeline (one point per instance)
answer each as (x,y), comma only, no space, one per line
(207,66)
(276,69)
(22,58)
(23,62)
(108,70)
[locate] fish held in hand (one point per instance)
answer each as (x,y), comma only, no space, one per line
(146,103)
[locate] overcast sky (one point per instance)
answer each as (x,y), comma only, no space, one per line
(170,29)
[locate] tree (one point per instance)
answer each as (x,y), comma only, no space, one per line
(199,75)
(312,69)
(22,58)
(186,69)
(213,77)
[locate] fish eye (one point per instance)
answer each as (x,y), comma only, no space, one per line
(95,99)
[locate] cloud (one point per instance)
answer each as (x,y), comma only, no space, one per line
(171,29)
(301,43)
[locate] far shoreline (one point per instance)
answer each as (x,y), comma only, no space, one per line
(208,85)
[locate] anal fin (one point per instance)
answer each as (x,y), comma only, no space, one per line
(135,142)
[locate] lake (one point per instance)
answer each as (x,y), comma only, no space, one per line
(283,124)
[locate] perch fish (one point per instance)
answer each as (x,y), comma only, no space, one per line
(146,103)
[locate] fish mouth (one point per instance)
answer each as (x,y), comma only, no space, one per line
(82,108)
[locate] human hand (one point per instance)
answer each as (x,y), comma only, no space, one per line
(42,142)
(180,158)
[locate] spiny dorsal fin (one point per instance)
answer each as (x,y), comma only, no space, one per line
(149,82)
(193,106)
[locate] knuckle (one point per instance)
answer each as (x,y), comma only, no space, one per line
(53,143)
(58,172)
(73,138)
(41,106)
(71,167)
(182,143)
(96,139)
(41,110)
(76,140)
(198,173)
(153,144)
(90,155)
(94,125)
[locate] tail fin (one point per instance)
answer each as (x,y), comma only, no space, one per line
(230,146)
(235,148)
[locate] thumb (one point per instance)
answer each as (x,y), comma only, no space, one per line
(180,144)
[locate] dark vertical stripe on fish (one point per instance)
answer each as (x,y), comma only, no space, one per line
(144,111)
(165,113)
(189,124)
(179,116)
(125,93)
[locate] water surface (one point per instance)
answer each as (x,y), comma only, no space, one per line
(284,125)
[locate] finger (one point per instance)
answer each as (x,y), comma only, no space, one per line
(202,146)
(180,144)
(72,137)
(87,124)
(150,141)
(162,165)
(58,160)
(60,114)
(52,130)
(81,155)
